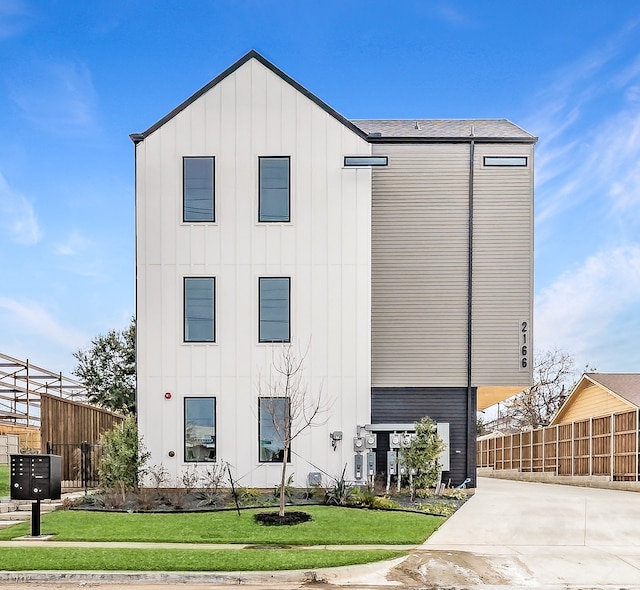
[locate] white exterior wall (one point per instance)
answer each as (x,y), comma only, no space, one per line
(326,250)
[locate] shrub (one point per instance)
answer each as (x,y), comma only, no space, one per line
(123,457)
(341,492)
(423,455)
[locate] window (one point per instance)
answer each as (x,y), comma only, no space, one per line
(366,160)
(198,189)
(505,160)
(273,421)
(199,429)
(274,294)
(274,189)
(199,309)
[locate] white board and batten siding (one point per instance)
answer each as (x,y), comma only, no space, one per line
(420,250)
(325,249)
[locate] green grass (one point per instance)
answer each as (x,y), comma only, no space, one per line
(329,526)
(4,480)
(81,559)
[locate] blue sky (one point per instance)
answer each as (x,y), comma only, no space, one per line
(77,77)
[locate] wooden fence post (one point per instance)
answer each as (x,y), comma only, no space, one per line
(612,444)
(590,447)
(573,442)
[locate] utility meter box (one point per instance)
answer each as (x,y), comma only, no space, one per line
(358,444)
(371,464)
(36,477)
(391,462)
(371,440)
(358,464)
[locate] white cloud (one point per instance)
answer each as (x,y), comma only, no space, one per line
(17,216)
(58,97)
(582,311)
(74,245)
(14,16)
(34,320)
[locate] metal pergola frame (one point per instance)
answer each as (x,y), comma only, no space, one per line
(22,383)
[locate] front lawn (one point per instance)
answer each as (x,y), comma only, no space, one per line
(329,526)
(184,560)
(4,481)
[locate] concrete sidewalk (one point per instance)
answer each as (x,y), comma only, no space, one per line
(532,534)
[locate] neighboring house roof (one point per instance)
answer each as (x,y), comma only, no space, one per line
(375,130)
(443,130)
(625,385)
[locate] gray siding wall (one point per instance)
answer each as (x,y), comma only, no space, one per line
(442,404)
(419,266)
(419,282)
(502,267)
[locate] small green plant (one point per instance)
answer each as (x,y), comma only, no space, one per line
(438,508)
(188,479)
(384,503)
(123,457)
(363,496)
(208,497)
(456,494)
(423,454)
(341,493)
(158,475)
(288,489)
(248,496)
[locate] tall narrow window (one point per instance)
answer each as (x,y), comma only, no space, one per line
(273,424)
(198,189)
(199,429)
(199,309)
(274,189)
(274,309)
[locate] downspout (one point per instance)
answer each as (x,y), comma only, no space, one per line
(471,410)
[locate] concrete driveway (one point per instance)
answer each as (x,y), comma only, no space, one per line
(523,534)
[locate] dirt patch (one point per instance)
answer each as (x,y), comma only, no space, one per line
(443,569)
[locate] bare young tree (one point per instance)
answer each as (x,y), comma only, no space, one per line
(289,403)
(554,376)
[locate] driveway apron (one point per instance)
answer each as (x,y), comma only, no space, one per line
(534,534)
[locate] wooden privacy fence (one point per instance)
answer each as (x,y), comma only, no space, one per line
(605,446)
(67,425)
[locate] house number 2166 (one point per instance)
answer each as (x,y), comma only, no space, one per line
(523,330)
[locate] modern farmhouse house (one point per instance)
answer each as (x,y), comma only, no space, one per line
(395,254)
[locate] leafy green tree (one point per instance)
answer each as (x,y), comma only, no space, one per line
(423,454)
(108,369)
(123,457)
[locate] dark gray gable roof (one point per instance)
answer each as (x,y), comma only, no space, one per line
(443,130)
(137,137)
(626,385)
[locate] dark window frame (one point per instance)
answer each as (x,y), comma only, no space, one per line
(184,310)
(213,189)
(365,161)
(288,219)
(486,161)
(267,340)
(215,433)
(260,410)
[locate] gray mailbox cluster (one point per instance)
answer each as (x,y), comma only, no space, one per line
(36,477)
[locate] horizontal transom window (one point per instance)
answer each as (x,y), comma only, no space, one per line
(366,160)
(505,161)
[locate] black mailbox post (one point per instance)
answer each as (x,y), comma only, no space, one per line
(36,477)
